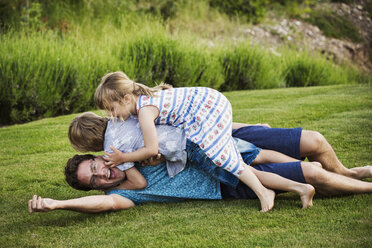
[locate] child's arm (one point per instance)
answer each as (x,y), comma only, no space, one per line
(146,118)
(134,180)
(158,159)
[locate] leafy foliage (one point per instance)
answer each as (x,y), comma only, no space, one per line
(334,25)
(249,10)
(247,67)
(53,53)
(160,59)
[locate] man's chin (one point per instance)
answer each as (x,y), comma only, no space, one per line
(109,186)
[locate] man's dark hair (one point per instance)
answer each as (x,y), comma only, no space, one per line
(71,171)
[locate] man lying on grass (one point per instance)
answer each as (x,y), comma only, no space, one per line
(191,183)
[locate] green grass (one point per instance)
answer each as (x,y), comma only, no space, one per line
(32,157)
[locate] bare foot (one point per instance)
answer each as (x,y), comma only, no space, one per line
(362,172)
(267,200)
(307,195)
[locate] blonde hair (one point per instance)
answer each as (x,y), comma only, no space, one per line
(87,132)
(115,85)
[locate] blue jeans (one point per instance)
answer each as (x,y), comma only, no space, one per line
(197,157)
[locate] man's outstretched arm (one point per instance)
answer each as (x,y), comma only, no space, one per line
(87,204)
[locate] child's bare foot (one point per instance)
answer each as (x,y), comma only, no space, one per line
(362,172)
(306,195)
(267,200)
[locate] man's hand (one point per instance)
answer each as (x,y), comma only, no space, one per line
(158,159)
(38,204)
(115,158)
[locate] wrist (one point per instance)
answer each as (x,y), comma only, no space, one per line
(57,205)
(122,158)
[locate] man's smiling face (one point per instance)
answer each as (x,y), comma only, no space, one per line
(95,174)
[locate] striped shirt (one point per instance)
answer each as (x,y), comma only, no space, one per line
(206,116)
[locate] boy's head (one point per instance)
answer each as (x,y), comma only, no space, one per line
(87,132)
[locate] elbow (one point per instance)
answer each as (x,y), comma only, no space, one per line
(116,207)
(120,203)
(114,204)
(141,184)
(153,151)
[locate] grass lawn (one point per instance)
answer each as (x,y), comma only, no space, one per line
(33,155)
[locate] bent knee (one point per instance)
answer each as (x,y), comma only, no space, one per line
(312,141)
(312,171)
(317,164)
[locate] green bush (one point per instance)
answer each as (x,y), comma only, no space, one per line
(305,73)
(247,67)
(368,8)
(312,70)
(45,77)
(249,10)
(291,8)
(156,58)
(334,25)
(47,69)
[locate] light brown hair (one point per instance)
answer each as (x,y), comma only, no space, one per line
(115,85)
(87,132)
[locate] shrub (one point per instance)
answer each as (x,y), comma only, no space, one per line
(304,73)
(156,58)
(247,67)
(42,77)
(334,25)
(312,70)
(249,10)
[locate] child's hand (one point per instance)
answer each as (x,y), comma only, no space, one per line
(157,159)
(115,158)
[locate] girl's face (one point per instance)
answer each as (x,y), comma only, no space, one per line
(123,109)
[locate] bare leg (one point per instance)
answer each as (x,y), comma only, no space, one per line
(274,181)
(330,184)
(265,195)
(315,147)
(270,156)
